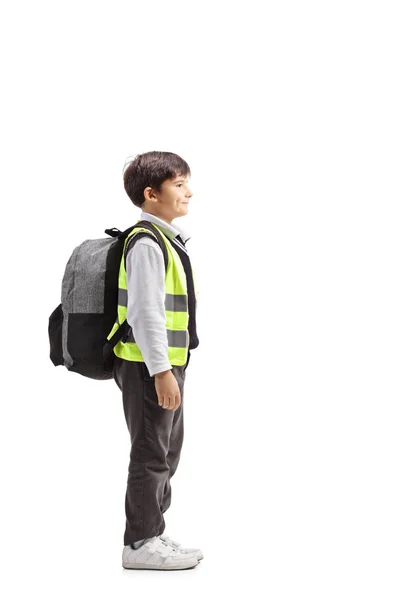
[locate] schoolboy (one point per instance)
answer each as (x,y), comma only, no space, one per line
(153,389)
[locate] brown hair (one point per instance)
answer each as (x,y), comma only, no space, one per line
(152,169)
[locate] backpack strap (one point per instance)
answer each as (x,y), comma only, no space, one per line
(153,232)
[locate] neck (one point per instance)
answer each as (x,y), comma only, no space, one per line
(159,217)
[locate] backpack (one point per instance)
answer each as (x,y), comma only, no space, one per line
(79,326)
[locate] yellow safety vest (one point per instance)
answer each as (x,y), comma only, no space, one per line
(176,308)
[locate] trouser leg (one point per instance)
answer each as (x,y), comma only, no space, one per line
(156,440)
(174,451)
(173,456)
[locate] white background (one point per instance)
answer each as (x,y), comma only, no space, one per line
(288,115)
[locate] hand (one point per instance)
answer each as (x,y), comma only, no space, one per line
(167,389)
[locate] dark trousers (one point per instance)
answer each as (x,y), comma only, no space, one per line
(156,440)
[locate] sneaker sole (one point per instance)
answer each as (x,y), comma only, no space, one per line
(144,567)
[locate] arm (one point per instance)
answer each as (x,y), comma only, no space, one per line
(145,272)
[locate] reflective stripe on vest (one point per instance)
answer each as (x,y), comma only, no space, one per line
(176,309)
(173,302)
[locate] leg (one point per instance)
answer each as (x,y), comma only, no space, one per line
(150,427)
(176,441)
(175,444)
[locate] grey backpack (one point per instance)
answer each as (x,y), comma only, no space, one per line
(79,326)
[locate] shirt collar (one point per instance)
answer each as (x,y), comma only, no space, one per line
(171,231)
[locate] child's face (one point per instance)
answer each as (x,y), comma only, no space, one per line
(171,202)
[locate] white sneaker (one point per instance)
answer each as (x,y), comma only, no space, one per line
(178,546)
(156,554)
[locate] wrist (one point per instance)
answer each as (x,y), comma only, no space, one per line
(162,373)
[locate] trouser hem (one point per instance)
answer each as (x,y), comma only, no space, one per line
(152,533)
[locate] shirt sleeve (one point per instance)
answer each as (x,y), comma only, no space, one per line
(145,271)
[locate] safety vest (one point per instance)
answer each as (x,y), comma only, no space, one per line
(176,308)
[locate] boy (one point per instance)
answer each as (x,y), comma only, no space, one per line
(152,387)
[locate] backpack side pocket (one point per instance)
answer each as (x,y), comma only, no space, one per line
(55,336)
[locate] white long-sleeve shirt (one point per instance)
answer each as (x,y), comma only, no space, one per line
(145,272)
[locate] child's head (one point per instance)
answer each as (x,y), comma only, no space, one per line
(156,182)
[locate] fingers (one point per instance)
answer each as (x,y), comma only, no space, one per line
(170,402)
(165,402)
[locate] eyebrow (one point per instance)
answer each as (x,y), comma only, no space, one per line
(178,180)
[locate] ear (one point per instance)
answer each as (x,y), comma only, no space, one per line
(149,194)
